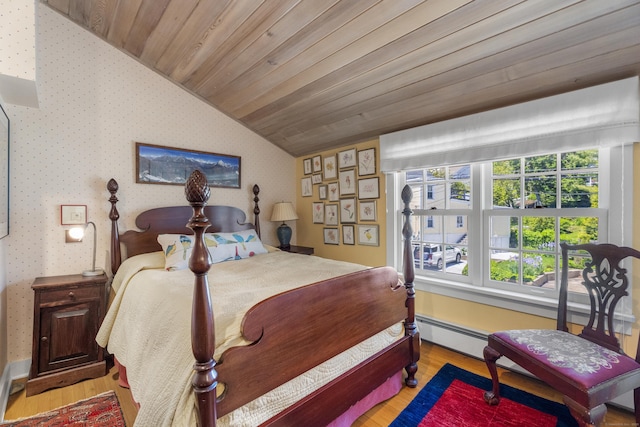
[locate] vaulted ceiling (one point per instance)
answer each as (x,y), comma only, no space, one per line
(311,75)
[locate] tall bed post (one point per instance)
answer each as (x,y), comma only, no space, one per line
(256,209)
(410,326)
(205,378)
(114,215)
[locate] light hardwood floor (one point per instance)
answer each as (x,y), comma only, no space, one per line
(432,358)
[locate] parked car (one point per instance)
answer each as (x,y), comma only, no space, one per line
(432,255)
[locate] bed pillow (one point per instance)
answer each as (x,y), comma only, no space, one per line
(222,247)
(176,249)
(232,246)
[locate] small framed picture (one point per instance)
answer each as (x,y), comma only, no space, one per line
(369,188)
(367,162)
(347,158)
(330,168)
(367,210)
(307,166)
(322,192)
(316,178)
(348,237)
(318,212)
(348,211)
(347,181)
(317,164)
(331,236)
(368,235)
(331,214)
(307,187)
(332,192)
(73,214)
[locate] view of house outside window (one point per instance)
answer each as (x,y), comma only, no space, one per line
(440,233)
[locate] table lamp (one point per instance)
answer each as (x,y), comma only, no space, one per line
(284,211)
(77,233)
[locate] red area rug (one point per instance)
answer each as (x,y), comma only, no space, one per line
(102,410)
(454,398)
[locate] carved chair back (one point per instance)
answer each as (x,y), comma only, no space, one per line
(606,282)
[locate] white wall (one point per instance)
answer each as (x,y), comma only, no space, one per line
(17,83)
(94,103)
(18,52)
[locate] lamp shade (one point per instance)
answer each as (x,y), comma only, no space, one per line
(283,211)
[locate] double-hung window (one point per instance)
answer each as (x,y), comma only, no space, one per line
(536,203)
(439,238)
(495,193)
(497,225)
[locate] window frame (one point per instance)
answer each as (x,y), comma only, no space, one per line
(616,170)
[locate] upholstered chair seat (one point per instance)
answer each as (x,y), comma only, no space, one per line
(580,363)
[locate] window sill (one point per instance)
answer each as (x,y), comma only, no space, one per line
(530,304)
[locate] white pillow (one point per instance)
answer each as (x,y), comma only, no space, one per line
(176,249)
(222,247)
(232,246)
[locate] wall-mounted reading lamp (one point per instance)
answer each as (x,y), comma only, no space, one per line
(76,217)
(77,234)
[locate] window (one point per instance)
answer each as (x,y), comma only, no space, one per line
(549,186)
(498,225)
(538,202)
(436,223)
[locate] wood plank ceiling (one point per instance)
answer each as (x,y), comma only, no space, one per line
(311,75)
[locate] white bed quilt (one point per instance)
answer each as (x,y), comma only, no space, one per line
(148,329)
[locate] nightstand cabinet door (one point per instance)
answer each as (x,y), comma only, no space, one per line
(67,335)
(68,311)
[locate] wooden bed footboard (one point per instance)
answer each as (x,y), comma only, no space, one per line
(298,329)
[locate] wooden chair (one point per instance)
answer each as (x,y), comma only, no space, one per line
(589,369)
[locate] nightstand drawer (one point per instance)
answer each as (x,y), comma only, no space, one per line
(70,294)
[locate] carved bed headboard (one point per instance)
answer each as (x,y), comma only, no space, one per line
(171,220)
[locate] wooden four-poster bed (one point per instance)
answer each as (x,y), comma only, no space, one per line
(281,339)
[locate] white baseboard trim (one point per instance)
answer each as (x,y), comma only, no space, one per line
(12,371)
(471,342)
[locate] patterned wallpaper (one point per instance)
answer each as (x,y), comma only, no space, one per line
(17,38)
(95,102)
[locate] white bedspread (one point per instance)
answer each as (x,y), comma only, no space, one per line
(148,329)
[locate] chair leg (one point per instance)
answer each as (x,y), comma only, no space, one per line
(586,417)
(490,356)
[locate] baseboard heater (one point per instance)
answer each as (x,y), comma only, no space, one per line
(472,341)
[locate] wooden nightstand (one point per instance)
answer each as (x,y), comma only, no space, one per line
(68,311)
(299,250)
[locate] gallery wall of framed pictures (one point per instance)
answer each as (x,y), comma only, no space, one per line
(342,189)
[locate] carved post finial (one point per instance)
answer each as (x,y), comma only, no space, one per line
(197,190)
